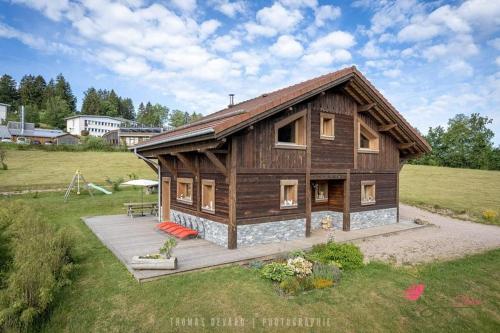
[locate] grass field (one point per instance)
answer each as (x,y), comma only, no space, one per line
(463,193)
(35,169)
(459,296)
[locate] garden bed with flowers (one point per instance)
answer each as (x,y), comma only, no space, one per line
(319,268)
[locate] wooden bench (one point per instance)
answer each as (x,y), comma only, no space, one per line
(139,208)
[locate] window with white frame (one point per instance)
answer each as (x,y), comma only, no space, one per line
(321,191)
(368,192)
(327,126)
(289,193)
(185,190)
(208,195)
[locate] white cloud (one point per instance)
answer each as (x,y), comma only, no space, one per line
(392,73)
(231,9)
(253,29)
(249,60)
(300,3)
(495,43)
(185,5)
(460,67)
(371,50)
(279,18)
(287,47)
(461,46)
(53,9)
(324,58)
(334,40)
(417,32)
(208,27)
(326,13)
(225,43)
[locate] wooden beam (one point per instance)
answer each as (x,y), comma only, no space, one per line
(216,162)
(169,166)
(197,182)
(232,231)
(152,166)
(356,138)
(346,216)
(406,145)
(388,127)
(366,107)
(308,171)
(184,148)
(186,162)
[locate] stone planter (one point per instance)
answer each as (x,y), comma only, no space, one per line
(161,263)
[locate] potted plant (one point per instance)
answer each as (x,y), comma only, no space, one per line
(162,260)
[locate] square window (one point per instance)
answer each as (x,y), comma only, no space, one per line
(321,191)
(368,192)
(327,126)
(185,190)
(288,193)
(208,195)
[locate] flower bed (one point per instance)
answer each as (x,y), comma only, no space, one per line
(321,268)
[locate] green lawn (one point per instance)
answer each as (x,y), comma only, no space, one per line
(105,298)
(36,169)
(463,193)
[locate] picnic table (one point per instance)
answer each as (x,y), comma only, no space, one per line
(136,208)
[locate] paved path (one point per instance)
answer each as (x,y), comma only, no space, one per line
(127,237)
(448,238)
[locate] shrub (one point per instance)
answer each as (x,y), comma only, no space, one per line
(3,158)
(296,253)
(345,256)
(40,266)
(167,247)
(256,264)
(290,286)
(489,214)
(300,266)
(276,271)
(306,283)
(115,184)
(325,271)
(320,283)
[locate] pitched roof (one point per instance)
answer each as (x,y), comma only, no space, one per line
(225,122)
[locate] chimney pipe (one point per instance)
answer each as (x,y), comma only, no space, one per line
(231,100)
(22,119)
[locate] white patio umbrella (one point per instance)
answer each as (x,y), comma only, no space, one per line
(143,183)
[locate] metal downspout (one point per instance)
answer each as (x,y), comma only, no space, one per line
(159,180)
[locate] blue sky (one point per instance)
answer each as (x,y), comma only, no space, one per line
(431,59)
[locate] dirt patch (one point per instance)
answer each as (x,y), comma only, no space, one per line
(447,238)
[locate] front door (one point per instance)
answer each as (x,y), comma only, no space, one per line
(165,198)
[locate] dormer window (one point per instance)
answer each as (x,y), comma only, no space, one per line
(368,141)
(291,132)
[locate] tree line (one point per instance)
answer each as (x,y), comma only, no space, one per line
(466,142)
(49,103)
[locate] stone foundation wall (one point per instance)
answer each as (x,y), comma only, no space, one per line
(251,234)
(212,231)
(373,218)
(317,217)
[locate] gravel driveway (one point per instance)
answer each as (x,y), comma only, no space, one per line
(447,238)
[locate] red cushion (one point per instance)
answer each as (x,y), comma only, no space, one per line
(165,224)
(172,228)
(185,233)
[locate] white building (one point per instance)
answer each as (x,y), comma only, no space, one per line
(3,112)
(95,125)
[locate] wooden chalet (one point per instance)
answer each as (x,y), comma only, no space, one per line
(272,168)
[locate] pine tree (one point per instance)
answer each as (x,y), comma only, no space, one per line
(32,90)
(127,110)
(56,109)
(178,118)
(63,90)
(8,92)
(91,102)
(112,103)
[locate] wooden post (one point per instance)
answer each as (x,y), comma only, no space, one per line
(232,226)
(356,138)
(198,183)
(308,171)
(347,203)
(397,196)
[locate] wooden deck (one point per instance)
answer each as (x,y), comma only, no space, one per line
(127,237)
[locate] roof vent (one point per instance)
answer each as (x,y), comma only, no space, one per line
(231,100)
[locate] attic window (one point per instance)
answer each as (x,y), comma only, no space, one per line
(208,195)
(321,192)
(368,192)
(291,132)
(368,139)
(327,126)
(288,193)
(185,190)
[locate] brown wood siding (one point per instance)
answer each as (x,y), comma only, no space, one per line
(259,196)
(388,156)
(257,148)
(385,191)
